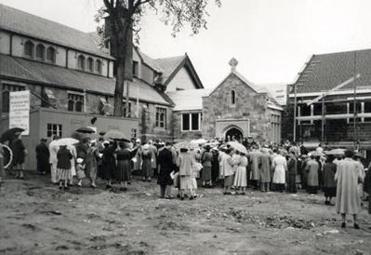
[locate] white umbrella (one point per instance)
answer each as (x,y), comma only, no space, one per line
(238,147)
(199,141)
(66,141)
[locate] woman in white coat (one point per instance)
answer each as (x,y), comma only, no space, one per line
(279,165)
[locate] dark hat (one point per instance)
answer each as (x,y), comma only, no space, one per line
(43,139)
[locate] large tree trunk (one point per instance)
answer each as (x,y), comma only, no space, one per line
(122,50)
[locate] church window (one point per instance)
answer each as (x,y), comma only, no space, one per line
(98,66)
(233,97)
(161,118)
(50,55)
(81,62)
(75,102)
(29,49)
(90,64)
(40,52)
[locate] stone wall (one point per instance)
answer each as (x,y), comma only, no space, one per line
(248,105)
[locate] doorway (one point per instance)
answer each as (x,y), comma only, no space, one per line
(233,133)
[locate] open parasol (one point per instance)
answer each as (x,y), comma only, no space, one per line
(85,130)
(199,141)
(66,141)
(116,135)
(238,147)
(185,144)
(10,134)
(335,152)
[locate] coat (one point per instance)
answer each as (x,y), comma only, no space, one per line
(64,157)
(186,163)
(329,170)
(226,165)
(255,163)
(166,166)
(265,170)
(312,168)
(347,197)
(279,165)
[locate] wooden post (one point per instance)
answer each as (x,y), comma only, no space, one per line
(295,105)
(1,104)
(323,120)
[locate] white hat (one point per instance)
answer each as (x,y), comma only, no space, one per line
(79,160)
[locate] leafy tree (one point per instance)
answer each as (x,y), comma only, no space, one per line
(122,21)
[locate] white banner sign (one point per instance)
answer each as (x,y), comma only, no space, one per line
(19,110)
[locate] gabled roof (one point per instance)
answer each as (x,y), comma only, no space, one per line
(39,28)
(45,74)
(326,71)
(169,67)
(248,83)
(188,100)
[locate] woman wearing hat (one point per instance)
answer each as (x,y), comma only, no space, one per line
(206,159)
(64,175)
(124,156)
(146,162)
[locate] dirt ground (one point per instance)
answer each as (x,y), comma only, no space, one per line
(37,218)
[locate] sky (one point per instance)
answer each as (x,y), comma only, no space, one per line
(271,39)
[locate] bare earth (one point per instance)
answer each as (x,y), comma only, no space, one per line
(37,218)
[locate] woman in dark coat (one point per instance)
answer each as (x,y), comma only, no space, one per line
(214,166)
(146,162)
(206,159)
(292,166)
(329,184)
(64,174)
(124,156)
(166,166)
(19,155)
(109,162)
(42,157)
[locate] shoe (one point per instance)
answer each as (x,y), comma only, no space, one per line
(181,198)
(169,197)
(123,189)
(108,186)
(191,198)
(60,187)
(66,188)
(79,184)
(356,226)
(93,186)
(343,225)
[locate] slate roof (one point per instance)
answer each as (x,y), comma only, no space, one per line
(326,71)
(27,24)
(188,100)
(168,65)
(50,75)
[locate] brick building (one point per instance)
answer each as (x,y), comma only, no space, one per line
(72,79)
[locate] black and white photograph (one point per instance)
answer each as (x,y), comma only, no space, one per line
(178,127)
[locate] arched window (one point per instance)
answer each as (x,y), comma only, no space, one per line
(81,62)
(90,64)
(233,97)
(40,52)
(98,66)
(50,55)
(29,49)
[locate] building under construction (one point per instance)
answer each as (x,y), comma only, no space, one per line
(330,102)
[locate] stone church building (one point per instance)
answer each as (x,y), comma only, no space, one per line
(235,108)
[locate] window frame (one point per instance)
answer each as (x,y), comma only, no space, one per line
(40,48)
(90,64)
(51,51)
(75,98)
(7,88)
(98,66)
(190,122)
(159,121)
(81,62)
(51,132)
(233,97)
(31,49)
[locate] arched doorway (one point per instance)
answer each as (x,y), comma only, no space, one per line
(235,133)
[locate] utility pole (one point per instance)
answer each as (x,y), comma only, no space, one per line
(355,102)
(1,104)
(295,106)
(323,119)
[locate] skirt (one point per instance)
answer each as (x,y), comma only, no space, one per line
(228,180)
(123,170)
(240,178)
(186,182)
(64,174)
(329,191)
(206,173)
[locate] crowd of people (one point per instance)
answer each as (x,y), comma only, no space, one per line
(284,168)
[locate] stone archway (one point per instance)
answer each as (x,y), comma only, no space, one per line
(233,132)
